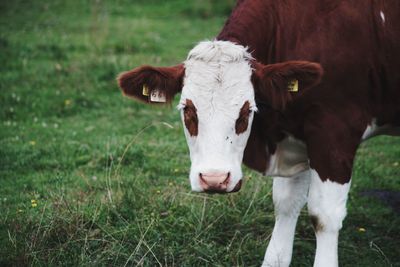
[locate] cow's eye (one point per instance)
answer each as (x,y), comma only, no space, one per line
(190,118)
(242,121)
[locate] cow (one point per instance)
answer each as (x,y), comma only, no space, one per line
(290,88)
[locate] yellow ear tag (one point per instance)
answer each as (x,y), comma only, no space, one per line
(293,86)
(145,90)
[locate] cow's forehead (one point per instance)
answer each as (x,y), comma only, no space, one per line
(218,76)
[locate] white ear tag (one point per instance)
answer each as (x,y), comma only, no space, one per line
(158,96)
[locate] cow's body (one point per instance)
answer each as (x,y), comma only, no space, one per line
(310,137)
(358,45)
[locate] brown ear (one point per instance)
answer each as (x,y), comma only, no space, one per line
(143,81)
(272,82)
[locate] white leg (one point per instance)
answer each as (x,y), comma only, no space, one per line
(289,195)
(327,208)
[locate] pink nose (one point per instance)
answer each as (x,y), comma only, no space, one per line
(214,182)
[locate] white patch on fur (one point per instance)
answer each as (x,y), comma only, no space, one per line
(373,130)
(382,16)
(218,81)
(289,195)
(327,202)
(289,159)
(369,131)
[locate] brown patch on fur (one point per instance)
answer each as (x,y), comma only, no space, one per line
(190,118)
(253,156)
(242,121)
(316,223)
(166,79)
(264,135)
(334,160)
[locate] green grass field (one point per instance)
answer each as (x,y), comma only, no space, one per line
(89,178)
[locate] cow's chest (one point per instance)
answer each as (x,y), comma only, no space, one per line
(290,158)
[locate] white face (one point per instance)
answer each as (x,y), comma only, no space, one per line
(218,103)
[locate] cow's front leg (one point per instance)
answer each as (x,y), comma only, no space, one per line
(327,209)
(289,196)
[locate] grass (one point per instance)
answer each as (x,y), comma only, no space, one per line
(89,178)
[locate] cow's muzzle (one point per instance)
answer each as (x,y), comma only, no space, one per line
(217,183)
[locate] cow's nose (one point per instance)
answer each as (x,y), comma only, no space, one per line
(216,182)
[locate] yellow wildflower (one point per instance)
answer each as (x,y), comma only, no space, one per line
(58,66)
(361,229)
(32,143)
(34,203)
(67,102)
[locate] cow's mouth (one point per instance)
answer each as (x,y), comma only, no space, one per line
(223,191)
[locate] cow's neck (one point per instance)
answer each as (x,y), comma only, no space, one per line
(250,26)
(275,144)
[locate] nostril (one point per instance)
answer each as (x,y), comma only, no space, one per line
(202,179)
(226,181)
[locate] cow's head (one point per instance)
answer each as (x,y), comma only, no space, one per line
(219,83)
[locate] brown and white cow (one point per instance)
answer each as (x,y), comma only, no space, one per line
(254,95)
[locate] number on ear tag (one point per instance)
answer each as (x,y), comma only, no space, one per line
(158,96)
(293,86)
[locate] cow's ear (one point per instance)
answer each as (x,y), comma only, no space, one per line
(276,84)
(152,84)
